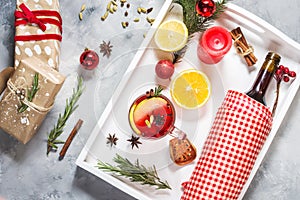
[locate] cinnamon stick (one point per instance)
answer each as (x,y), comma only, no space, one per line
(70,139)
(242,46)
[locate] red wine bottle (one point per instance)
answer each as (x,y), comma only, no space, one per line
(264,77)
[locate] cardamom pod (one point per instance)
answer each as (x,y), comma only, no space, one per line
(104,16)
(83,7)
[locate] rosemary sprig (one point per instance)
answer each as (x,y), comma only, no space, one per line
(158,90)
(62,119)
(135,172)
(30,93)
(195,22)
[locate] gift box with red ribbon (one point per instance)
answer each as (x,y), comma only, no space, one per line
(38,31)
(37,48)
(240,128)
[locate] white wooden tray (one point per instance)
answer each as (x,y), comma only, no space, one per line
(230,73)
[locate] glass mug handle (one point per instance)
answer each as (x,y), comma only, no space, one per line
(177,133)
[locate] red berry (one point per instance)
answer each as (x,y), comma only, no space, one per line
(89,59)
(286,70)
(164,69)
(292,74)
(286,79)
(278,72)
(281,67)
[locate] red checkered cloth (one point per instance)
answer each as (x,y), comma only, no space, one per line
(237,135)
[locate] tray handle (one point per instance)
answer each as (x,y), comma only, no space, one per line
(258,24)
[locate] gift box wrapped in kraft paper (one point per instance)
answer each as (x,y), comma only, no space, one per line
(29,96)
(240,129)
(38,31)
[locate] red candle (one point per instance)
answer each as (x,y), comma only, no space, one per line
(214,44)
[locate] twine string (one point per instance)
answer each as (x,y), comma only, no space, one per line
(240,50)
(17,89)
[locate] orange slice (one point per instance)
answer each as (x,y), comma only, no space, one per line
(191,89)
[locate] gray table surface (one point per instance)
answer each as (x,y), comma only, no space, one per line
(27,173)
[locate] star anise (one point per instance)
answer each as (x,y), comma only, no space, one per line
(106,48)
(112,139)
(159,120)
(134,141)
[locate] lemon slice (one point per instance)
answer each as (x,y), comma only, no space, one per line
(171,35)
(190,89)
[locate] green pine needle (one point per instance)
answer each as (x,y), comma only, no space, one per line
(62,118)
(135,172)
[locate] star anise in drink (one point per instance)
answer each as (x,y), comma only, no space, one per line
(112,139)
(106,48)
(159,120)
(134,141)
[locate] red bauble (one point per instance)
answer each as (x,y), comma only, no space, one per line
(89,59)
(205,8)
(164,69)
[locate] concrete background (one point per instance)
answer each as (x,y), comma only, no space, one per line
(27,173)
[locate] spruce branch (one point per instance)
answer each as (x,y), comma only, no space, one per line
(135,172)
(195,22)
(30,93)
(62,118)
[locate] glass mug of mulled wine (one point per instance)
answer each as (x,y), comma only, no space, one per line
(152,116)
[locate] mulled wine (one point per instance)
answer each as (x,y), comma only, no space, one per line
(152,116)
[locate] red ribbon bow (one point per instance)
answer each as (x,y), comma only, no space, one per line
(30,17)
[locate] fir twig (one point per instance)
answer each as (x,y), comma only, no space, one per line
(30,93)
(62,119)
(135,172)
(195,22)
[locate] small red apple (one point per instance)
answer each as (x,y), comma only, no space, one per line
(164,69)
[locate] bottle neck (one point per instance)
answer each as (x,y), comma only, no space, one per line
(263,79)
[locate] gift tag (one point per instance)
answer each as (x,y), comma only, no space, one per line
(182,152)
